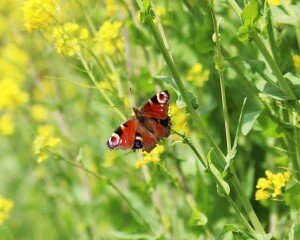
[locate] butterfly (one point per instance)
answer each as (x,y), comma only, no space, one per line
(149,125)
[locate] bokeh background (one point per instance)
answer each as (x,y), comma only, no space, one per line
(70,73)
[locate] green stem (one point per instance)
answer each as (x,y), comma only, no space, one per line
(199,124)
(276,71)
(92,77)
(272,38)
(220,68)
(111,184)
(227,196)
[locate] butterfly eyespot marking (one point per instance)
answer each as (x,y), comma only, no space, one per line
(138,142)
(163,97)
(113,141)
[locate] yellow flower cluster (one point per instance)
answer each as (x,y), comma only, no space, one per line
(44,142)
(108,39)
(153,156)
(68,38)
(274,2)
(6,206)
(7,126)
(13,62)
(296,60)
(197,75)
(271,186)
(179,120)
(111,7)
(39,14)
(39,113)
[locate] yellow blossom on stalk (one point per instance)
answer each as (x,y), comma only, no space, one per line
(6,206)
(272,185)
(179,120)
(197,75)
(39,112)
(296,60)
(11,94)
(7,126)
(153,156)
(39,14)
(68,38)
(108,39)
(44,141)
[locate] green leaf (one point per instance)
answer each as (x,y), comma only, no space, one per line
(236,232)
(292,197)
(248,121)
(274,92)
(250,17)
(294,83)
(233,150)
(256,66)
(222,186)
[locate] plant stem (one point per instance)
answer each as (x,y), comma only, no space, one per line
(111,184)
(253,218)
(276,71)
(92,77)
(220,68)
(272,38)
(227,196)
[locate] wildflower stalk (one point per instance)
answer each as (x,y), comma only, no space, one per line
(272,38)
(93,78)
(236,183)
(112,185)
(276,71)
(219,66)
(273,65)
(185,140)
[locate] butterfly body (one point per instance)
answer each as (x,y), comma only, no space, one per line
(149,125)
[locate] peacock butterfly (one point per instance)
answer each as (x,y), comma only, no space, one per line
(150,124)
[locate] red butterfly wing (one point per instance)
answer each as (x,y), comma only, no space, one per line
(157,106)
(124,136)
(151,132)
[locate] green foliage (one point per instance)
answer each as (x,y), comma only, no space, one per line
(66,85)
(250,17)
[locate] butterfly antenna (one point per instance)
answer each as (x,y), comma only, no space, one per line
(131,98)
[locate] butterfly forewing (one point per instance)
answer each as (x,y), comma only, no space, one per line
(157,106)
(124,136)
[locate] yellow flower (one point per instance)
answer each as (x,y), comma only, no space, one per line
(197,75)
(296,60)
(39,14)
(271,187)
(11,94)
(153,156)
(108,38)
(261,195)
(44,142)
(68,38)
(111,7)
(109,158)
(179,120)
(6,206)
(7,126)
(274,2)
(39,112)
